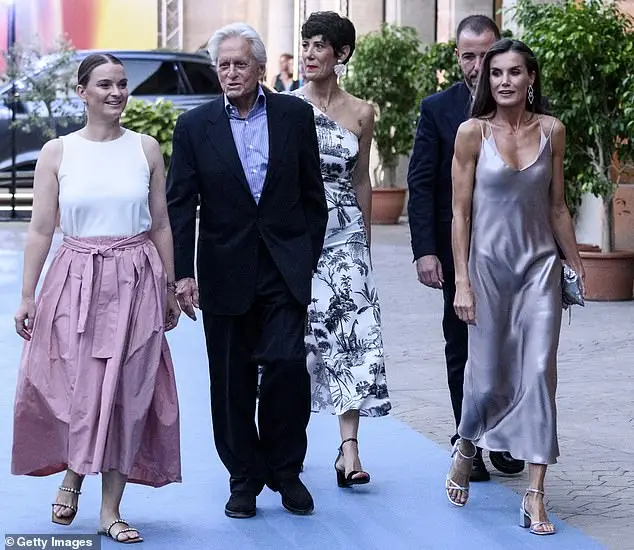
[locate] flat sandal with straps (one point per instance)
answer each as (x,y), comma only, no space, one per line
(65,520)
(450,484)
(349,480)
(108,532)
(526,520)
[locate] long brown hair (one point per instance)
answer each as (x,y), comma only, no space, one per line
(484,103)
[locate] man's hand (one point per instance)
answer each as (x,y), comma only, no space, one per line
(187,296)
(430,271)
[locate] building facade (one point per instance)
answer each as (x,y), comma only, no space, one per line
(278,21)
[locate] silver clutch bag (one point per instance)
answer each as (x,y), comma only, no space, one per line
(571,294)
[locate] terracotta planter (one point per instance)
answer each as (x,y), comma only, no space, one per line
(609,275)
(387,205)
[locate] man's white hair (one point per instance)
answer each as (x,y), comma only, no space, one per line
(244,31)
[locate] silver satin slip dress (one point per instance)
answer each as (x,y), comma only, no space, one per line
(515,274)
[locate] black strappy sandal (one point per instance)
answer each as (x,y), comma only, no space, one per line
(65,520)
(349,480)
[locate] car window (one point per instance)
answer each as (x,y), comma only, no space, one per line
(202,78)
(148,77)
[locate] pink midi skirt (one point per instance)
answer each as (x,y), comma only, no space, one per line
(96,389)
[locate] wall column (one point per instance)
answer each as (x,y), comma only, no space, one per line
(413,13)
(367,15)
(279,37)
(463,8)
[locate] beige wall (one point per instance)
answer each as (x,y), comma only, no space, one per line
(628,6)
(275,19)
(367,15)
(451,12)
(202,17)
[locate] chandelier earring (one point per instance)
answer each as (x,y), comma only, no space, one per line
(340,69)
(531,94)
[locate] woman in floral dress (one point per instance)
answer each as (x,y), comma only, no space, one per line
(344,343)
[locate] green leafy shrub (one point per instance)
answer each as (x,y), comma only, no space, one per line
(154,119)
(386,71)
(586,55)
(440,67)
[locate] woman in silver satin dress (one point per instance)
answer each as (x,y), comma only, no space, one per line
(509,214)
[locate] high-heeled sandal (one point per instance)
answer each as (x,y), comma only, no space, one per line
(65,520)
(450,484)
(349,480)
(526,520)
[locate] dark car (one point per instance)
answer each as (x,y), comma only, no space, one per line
(187,80)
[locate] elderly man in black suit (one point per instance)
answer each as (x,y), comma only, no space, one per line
(430,212)
(251,159)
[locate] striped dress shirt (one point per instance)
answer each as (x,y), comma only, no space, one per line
(251,136)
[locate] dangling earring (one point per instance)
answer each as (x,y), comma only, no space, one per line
(531,94)
(340,69)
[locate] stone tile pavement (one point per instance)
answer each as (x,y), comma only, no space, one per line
(592,486)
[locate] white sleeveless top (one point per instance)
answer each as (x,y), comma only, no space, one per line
(104,187)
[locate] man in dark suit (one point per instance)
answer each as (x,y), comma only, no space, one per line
(252,161)
(430,211)
(284,80)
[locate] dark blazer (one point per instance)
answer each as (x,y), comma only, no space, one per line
(279,85)
(429,175)
(290,218)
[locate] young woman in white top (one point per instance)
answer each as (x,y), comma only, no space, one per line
(96,390)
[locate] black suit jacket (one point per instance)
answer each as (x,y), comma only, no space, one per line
(279,85)
(429,175)
(290,217)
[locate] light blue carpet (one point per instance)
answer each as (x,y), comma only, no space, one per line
(404,507)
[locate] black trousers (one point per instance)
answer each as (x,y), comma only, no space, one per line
(271,334)
(456,347)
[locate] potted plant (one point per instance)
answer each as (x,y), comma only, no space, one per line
(585,50)
(386,71)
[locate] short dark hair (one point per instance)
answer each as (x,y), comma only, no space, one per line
(478,24)
(287,55)
(90,63)
(483,103)
(336,30)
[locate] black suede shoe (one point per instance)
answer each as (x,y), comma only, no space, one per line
(504,462)
(240,505)
(295,497)
(479,471)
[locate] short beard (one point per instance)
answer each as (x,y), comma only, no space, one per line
(470,85)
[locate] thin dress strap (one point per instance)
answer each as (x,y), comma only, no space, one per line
(491,132)
(550,141)
(482,128)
